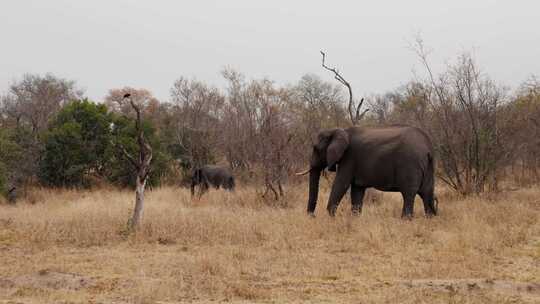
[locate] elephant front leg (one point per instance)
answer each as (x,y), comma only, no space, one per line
(193,189)
(203,187)
(357,198)
(340,186)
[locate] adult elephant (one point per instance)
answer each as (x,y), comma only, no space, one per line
(394,158)
(211,175)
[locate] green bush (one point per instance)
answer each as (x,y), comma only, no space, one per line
(84,142)
(10,156)
(77,145)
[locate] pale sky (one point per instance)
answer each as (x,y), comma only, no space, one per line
(148,44)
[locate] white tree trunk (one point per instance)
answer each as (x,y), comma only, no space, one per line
(141,166)
(139,202)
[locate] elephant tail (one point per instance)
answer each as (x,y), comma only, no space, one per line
(429,175)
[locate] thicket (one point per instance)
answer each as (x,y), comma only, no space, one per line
(483,132)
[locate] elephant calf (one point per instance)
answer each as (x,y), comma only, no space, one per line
(394,158)
(211,175)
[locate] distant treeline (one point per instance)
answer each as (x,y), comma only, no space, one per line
(51,135)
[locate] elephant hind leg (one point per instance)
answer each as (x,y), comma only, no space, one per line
(408,205)
(231,183)
(429,198)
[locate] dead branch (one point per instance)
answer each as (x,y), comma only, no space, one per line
(130,158)
(357,115)
(141,165)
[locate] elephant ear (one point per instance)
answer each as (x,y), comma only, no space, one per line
(336,148)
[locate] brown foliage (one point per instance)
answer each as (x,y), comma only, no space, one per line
(35,99)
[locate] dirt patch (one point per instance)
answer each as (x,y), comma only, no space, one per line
(48,279)
(529,290)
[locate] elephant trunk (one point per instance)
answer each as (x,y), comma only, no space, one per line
(314,176)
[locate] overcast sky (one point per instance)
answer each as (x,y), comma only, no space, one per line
(104,44)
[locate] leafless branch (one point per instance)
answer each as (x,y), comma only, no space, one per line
(129,158)
(357,116)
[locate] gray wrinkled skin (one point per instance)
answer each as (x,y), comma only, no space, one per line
(394,158)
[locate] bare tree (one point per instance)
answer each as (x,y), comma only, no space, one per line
(198,110)
(466,123)
(353,108)
(26,109)
(525,114)
(405,105)
(142,97)
(239,122)
(141,165)
(274,142)
(35,99)
(317,105)
(261,128)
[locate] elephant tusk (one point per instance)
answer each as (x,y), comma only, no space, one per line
(303,172)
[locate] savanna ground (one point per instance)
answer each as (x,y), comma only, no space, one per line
(72,247)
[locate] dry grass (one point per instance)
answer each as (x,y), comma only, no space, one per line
(71,246)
